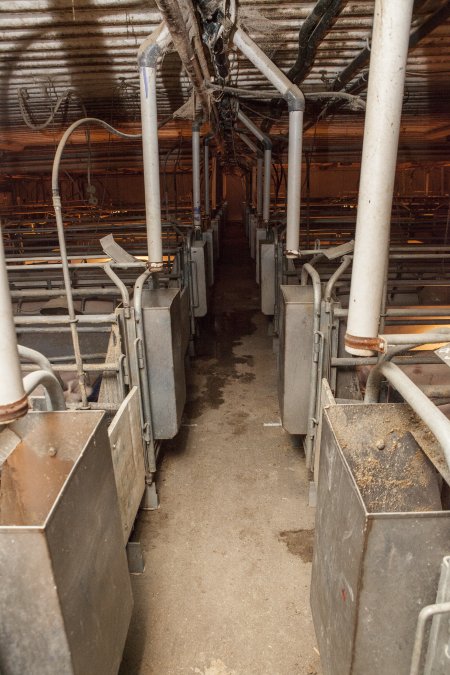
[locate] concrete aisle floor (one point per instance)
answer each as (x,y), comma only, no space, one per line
(226,585)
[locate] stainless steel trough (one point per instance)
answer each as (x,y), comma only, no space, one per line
(381,534)
(65,595)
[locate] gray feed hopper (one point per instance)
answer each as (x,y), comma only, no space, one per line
(381,535)
(65,593)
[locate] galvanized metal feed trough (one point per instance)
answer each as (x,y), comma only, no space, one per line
(381,535)
(65,594)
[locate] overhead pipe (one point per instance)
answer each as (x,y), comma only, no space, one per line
(13,399)
(310,36)
(296,107)
(267,143)
(392,21)
(259,155)
(148,55)
(196,200)
(362,59)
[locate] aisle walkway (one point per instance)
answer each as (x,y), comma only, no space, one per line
(226,585)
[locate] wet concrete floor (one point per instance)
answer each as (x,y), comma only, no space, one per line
(228,554)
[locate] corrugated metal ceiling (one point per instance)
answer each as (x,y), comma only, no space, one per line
(90,46)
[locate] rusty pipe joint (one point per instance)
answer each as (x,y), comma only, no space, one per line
(364,345)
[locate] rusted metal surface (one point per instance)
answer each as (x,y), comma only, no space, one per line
(369,344)
(14,410)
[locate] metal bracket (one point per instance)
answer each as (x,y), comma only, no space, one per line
(150,499)
(135,557)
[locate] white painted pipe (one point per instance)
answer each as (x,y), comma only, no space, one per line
(197,209)
(294,182)
(207,178)
(148,56)
(265,139)
(262,62)
(296,106)
(13,400)
(253,147)
(267,181)
(389,51)
(259,185)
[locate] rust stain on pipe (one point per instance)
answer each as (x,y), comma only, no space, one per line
(373,344)
(12,411)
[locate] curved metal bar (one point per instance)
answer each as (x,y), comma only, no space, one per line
(426,613)
(62,240)
(49,381)
(150,459)
(346,260)
(117,281)
(315,278)
(437,422)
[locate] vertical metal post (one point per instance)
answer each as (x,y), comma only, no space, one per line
(259,186)
(148,56)
(196,175)
(149,117)
(266,189)
(207,179)
(389,51)
(296,106)
(294,181)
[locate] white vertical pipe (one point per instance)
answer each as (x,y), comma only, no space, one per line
(266,188)
(265,139)
(13,400)
(148,56)
(196,175)
(296,106)
(389,51)
(207,179)
(294,182)
(149,117)
(259,185)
